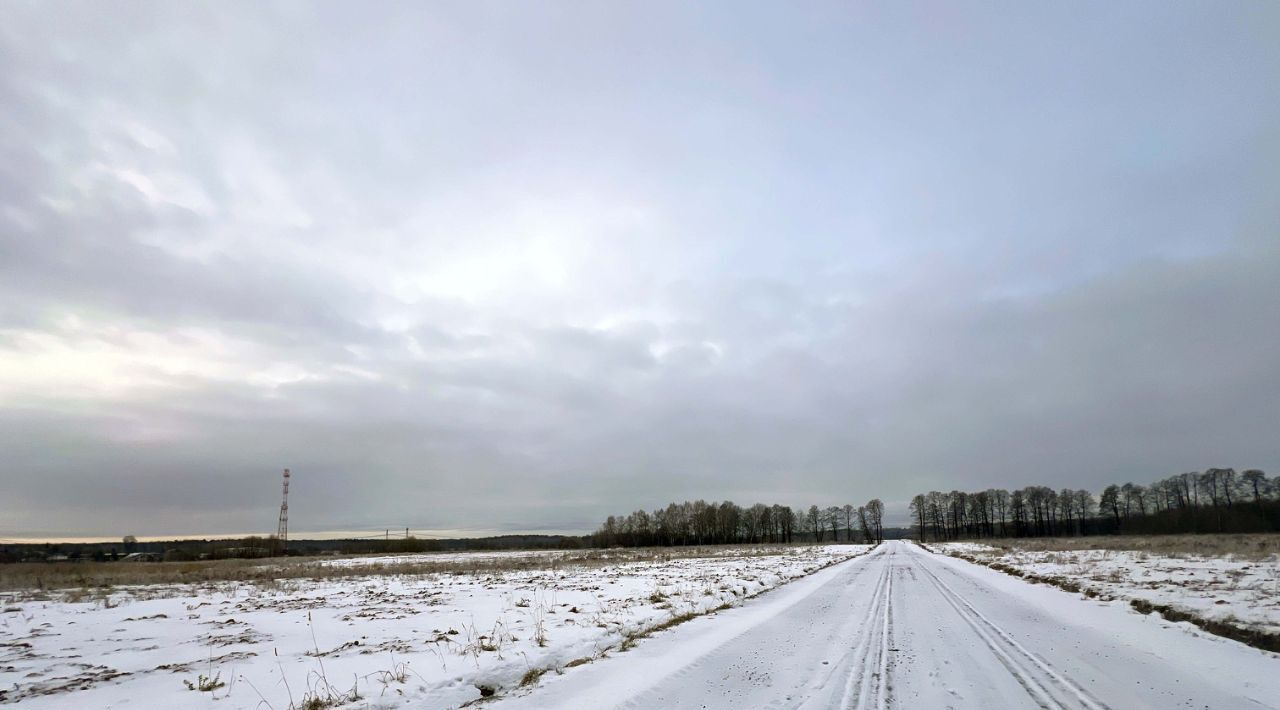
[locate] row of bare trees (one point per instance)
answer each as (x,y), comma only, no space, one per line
(1216,500)
(702,523)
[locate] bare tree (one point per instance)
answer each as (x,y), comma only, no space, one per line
(918,513)
(864,525)
(1229,484)
(1000,498)
(815,523)
(1085,506)
(1256,480)
(875,515)
(1111,501)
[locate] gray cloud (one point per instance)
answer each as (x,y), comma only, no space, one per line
(518,268)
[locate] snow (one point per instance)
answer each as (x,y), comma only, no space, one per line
(896,626)
(1242,591)
(903,627)
(459,558)
(398,637)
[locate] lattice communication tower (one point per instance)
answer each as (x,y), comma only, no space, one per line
(282,534)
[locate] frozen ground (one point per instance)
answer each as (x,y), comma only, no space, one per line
(905,628)
(421,639)
(1238,590)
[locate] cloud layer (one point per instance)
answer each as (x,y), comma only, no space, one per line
(503,267)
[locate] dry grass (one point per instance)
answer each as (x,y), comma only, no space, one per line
(1253,547)
(78,578)
(532,676)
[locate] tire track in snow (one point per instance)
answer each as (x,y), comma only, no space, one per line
(713,657)
(880,691)
(867,681)
(873,684)
(851,661)
(1041,681)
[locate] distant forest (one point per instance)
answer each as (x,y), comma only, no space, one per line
(253,547)
(1217,500)
(703,523)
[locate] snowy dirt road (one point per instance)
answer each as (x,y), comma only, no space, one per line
(905,628)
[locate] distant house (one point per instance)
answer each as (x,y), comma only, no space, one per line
(141,557)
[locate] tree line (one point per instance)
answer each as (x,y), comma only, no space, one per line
(1215,500)
(702,523)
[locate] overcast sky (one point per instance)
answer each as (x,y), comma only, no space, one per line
(518,266)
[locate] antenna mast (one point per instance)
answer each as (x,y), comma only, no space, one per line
(282,534)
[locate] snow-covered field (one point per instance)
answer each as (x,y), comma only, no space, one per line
(433,639)
(458,558)
(1237,590)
